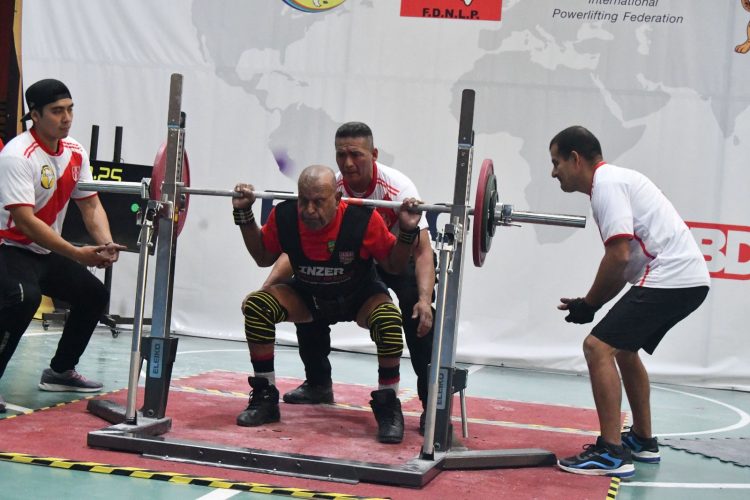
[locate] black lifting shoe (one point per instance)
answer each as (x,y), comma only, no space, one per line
(263,407)
(308,394)
(387,409)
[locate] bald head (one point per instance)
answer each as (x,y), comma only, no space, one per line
(317,200)
(316,175)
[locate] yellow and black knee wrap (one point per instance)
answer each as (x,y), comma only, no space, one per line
(385,330)
(262,311)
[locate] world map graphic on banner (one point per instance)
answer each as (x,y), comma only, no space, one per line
(598,62)
(564,52)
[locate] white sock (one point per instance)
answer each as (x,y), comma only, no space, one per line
(389,386)
(270,376)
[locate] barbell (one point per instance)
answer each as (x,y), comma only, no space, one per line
(487,212)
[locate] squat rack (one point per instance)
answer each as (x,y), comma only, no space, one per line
(143,431)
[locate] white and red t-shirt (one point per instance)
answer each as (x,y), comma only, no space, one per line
(31,175)
(387,184)
(663,252)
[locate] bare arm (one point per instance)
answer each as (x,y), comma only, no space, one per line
(95,219)
(40,233)
(401,251)
(397,259)
(610,278)
(608,282)
(251,234)
(744,47)
(425,273)
(281,271)
(97,224)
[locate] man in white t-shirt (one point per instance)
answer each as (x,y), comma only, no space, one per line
(648,244)
(362,176)
(39,174)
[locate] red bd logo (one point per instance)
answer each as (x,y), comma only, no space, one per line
(726,249)
(472,10)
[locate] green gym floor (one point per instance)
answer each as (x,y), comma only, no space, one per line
(679,411)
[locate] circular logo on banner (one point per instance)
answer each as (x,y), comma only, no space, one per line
(314,5)
(48,177)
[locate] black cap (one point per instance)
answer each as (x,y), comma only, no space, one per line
(44,92)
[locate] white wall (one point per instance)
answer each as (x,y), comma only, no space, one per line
(668,99)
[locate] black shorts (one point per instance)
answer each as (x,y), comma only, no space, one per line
(641,318)
(341,308)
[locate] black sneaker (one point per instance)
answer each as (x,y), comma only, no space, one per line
(263,407)
(67,381)
(642,449)
(308,394)
(387,409)
(600,459)
(2,404)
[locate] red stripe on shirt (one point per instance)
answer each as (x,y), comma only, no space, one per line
(60,146)
(71,145)
(65,186)
(13,205)
(591,189)
(13,233)
(648,270)
(86,197)
(49,212)
(30,150)
(389,188)
(643,247)
(623,235)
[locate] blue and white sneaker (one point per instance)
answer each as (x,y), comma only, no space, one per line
(600,459)
(642,449)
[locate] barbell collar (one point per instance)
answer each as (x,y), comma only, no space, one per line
(211,192)
(503,218)
(145,188)
(114,186)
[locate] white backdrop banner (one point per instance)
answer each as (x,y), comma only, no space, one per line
(266,83)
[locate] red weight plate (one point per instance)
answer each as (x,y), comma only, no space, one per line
(488,222)
(157,178)
(481,217)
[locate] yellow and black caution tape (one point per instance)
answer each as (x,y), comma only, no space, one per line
(56,405)
(614,487)
(176,477)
